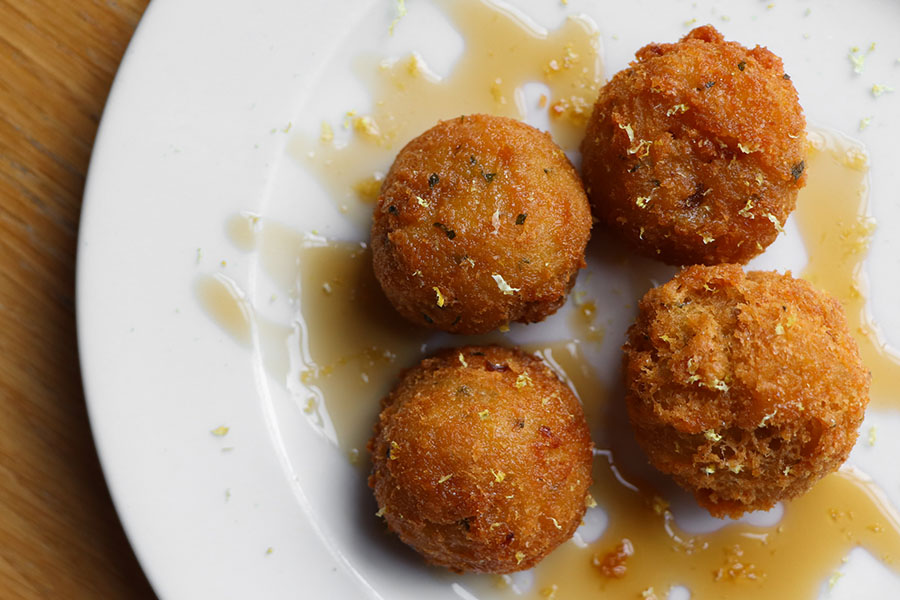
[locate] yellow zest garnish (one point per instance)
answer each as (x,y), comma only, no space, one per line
(220,431)
(834,579)
(401,12)
(642,202)
(712,435)
(642,149)
(762,423)
(775,222)
(327,134)
(660,506)
(445,478)
(440,297)
(878,89)
(857,59)
(678,108)
(366,126)
(485,414)
(462,360)
(522,380)
(520,556)
(422,201)
(504,287)
(395,450)
(499,476)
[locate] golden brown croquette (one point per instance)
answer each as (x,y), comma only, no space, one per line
(481,459)
(695,153)
(746,388)
(481,221)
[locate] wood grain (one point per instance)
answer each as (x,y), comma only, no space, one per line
(59,534)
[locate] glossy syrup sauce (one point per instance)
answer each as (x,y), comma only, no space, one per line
(349,346)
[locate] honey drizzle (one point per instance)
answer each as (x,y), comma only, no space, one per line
(791,559)
(350,330)
(502,54)
(832,217)
(225,304)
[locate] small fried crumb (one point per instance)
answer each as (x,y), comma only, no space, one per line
(613,564)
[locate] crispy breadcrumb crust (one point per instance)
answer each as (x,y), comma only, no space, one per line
(746,388)
(481,459)
(481,221)
(695,153)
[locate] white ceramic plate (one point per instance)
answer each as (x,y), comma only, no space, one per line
(187,141)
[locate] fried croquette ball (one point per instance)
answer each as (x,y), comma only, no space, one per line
(481,460)
(746,388)
(695,153)
(481,221)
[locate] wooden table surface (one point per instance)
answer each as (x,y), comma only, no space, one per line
(59,534)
